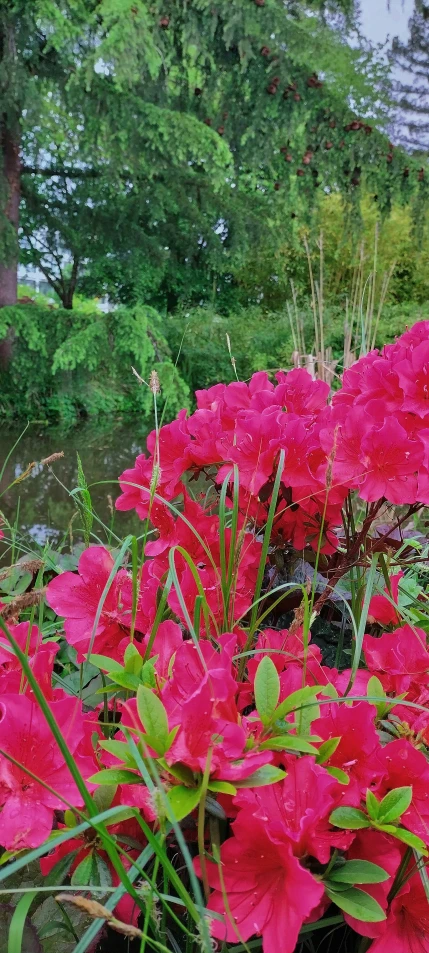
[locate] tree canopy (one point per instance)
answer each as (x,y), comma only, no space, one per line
(154,145)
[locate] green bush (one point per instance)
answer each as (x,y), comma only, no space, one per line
(262,340)
(71,364)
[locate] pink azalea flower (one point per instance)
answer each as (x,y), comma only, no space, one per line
(381,609)
(269,892)
(401,655)
(407,926)
(292,813)
(27,807)
(358,748)
(78,596)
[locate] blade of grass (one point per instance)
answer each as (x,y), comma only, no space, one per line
(17,923)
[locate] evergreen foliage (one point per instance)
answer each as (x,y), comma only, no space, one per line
(412,57)
(161,141)
(69,365)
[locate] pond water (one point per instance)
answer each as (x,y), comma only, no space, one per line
(41,503)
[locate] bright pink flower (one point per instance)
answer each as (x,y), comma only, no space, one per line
(173,458)
(257,441)
(13,682)
(358,748)
(381,609)
(206,556)
(391,462)
(27,807)
(292,813)
(407,927)
(402,655)
(78,597)
(28,642)
(268,891)
(299,393)
(414,379)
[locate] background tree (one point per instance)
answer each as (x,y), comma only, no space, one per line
(161,142)
(412,90)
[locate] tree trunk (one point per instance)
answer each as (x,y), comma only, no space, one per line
(70,287)
(10,158)
(9,142)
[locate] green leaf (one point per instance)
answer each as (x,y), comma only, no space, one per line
(119,749)
(349,818)
(105,664)
(17,923)
(147,674)
(375,688)
(81,875)
(178,770)
(60,871)
(115,776)
(394,804)
(100,874)
(359,872)
(126,680)
(153,717)
(268,774)
(372,805)
(340,775)
(182,801)
(132,659)
(267,689)
(402,834)
(358,904)
(103,797)
(327,749)
(301,697)
(288,743)
(222,787)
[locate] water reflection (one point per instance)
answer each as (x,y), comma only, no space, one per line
(41,503)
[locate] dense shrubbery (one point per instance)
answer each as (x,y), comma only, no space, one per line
(67,364)
(263,339)
(231,781)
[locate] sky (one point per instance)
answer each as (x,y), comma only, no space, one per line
(378,22)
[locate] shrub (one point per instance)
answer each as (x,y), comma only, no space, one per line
(67,364)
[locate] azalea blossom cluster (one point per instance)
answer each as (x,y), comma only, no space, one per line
(320,775)
(372,437)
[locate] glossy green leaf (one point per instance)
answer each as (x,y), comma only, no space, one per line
(372,805)
(349,818)
(267,689)
(359,872)
(358,904)
(301,697)
(405,836)
(394,804)
(115,776)
(327,749)
(288,742)
(182,801)
(153,717)
(222,787)
(82,874)
(340,775)
(268,774)
(105,663)
(125,680)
